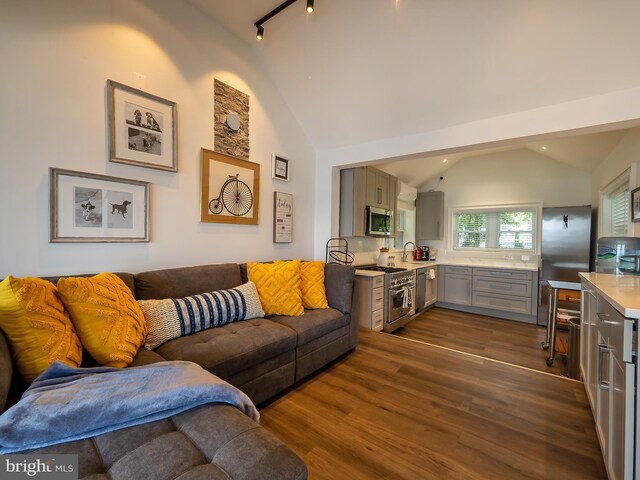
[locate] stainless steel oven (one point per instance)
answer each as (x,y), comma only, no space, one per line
(400,300)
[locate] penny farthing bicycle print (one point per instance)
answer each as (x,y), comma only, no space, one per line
(230,189)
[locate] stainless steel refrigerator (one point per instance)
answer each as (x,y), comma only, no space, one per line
(565,249)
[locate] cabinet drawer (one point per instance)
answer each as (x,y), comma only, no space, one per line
(378,281)
(377,300)
(501,302)
(503,273)
(376,320)
(458,270)
(506,287)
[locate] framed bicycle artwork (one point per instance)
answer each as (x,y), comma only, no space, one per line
(229,189)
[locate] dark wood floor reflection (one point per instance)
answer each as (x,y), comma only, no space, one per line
(505,340)
(400,409)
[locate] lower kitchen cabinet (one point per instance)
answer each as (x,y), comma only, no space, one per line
(503,293)
(369,301)
(609,378)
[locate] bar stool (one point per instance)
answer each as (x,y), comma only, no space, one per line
(550,341)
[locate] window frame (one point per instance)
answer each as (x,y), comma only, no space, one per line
(620,184)
(493,234)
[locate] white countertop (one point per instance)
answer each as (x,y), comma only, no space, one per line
(466,262)
(621,291)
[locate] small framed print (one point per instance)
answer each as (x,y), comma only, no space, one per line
(280,168)
(85,207)
(635,205)
(282,217)
(142,128)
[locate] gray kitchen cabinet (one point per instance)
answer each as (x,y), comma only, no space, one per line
(368,301)
(499,292)
(430,216)
(352,202)
(456,285)
(431,292)
(377,188)
(362,186)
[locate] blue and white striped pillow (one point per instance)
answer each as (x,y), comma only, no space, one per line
(172,318)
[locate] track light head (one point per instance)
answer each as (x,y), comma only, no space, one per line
(260,32)
(310,6)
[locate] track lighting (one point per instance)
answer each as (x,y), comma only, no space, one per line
(275,11)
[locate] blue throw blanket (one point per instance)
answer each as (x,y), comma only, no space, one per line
(66,403)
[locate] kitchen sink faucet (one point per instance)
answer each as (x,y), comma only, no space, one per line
(404,250)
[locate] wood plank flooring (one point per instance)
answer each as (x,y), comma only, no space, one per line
(505,340)
(400,409)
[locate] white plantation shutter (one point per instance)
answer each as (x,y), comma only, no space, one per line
(620,212)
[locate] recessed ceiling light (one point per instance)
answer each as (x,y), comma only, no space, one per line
(544,147)
(444,161)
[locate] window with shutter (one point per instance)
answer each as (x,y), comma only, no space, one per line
(495,228)
(614,207)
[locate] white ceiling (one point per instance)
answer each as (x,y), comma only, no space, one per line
(357,71)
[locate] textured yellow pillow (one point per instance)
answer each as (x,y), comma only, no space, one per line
(314,294)
(37,326)
(278,286)
(109,321)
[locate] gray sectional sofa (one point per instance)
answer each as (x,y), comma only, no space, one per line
(261,356)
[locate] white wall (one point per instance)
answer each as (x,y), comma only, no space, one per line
(56,57)
(620,159)
(519,176)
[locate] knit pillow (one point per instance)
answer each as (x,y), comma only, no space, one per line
(278,286)
(172,318)
(109,321)
(314,294)
(37,326)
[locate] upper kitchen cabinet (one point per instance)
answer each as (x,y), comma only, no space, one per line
(361,187)
(377,188)
(430,216)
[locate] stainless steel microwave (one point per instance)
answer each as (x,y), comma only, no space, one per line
(378,222)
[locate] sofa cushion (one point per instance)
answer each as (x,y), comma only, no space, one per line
(172,318)
(314,294)
(234,347)
(37,326)
(186,281)
(313,324)
(107,317)
(278,285)
(338,280)
(127,278)
(214,441)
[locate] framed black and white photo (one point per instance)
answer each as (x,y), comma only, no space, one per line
(280,168)
(635,205)
(85,207)
(142,128)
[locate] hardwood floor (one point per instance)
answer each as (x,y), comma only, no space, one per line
(399,409)
(512,342)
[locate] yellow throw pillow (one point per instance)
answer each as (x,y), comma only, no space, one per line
(278,286)
(37,326)
(314,294)
(109,321)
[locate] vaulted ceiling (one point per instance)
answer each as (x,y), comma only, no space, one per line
(357,71)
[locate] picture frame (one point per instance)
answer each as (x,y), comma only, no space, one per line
(282,217)
(142,128)
(229,189)
(280,168)
(635,205)
(86,207)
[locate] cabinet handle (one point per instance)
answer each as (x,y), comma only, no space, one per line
(604,318)
(603,384)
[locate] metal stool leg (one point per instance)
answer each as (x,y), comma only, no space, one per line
(552,340)
(545,344)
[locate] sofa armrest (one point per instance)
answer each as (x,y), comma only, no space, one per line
(338,282)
